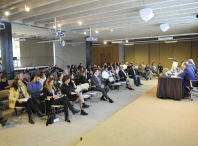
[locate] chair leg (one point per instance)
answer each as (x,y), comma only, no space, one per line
(15,111)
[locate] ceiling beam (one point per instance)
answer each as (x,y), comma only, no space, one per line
(5,3)
(51,7)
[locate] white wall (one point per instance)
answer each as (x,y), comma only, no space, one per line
(70,54)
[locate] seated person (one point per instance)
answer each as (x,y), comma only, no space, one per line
(18,92)
(51,93)
(48,75)
(34,89)
(26,75)
(154,69)
(132,74)
(142,72)
(65,72)
(58,81)
(4,83)
(97,85)
(43,78)
(148,71)
(83,78)
(191,66)
(73,79)
(187,75)
(20,77)
(105,76)
(124,77)
(87,75)
(67,89)
(160,68)
(2,119)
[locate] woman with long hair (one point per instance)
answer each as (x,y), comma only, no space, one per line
(68,89)
(17,94)
(58,80)
(52,96)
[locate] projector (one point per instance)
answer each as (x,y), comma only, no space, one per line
(57,34)
(2,26)
(164,27)
(147,14)
(92,39)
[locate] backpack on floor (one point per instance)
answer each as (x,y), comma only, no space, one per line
(51,118)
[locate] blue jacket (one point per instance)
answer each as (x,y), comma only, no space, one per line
(34,89)
(194,67)
(187,75)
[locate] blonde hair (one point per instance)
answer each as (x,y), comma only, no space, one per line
(82,73)
(48,86)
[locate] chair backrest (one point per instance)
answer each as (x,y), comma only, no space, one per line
(4,94)
(85,86)
(111,79)
(78,88)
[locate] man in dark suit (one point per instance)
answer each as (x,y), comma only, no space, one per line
(97,85)
(187,75)
(124,77)
(132,74)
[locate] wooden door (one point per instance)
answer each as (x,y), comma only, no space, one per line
(102,59)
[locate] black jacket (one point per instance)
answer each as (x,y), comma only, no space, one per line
(122,76)
(65,89)
(83,80)
(132,73)
(47,93)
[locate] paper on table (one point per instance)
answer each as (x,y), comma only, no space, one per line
(85,95)
(25,99)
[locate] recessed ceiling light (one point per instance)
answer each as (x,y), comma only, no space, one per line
(111,29)
(126,41)
(85,32)
(59,25)
(54,26)
(79,22)
(7,13)
(96,31)
(27,8)
(105,42)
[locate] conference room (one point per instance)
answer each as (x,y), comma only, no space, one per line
(98,72)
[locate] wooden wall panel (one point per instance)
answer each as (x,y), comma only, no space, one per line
(154,53)
(129,53)
(195,52)
(182,51)
(113,52)
(166,51)
(141,53)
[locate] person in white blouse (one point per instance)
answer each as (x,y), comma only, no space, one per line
(43,78)
(105,76)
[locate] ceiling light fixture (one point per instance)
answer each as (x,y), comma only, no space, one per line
(146,14)
(54,26)
(105,42)
(164,27)
(79,22)
(111,29)
(119,42)
(172,41)
(96,31)
(7,13)
(165,38)
(59,25)
(129,44)
(27,8)
(126,41)
(85,32)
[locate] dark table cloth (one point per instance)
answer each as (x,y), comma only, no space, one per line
(170,87)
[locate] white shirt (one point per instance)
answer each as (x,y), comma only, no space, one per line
(27,76)
(42,81)
(105,75)
(117,71)
(125,66)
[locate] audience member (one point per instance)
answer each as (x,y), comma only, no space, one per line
(26,75)
(65,72)
(51,93)
(148,71)
(35,89)
(193,64)
(4,83)
(43,78)
(154,69)
(17,93)
(48,75)
(142,72)
(160,68)
(83,78)
(72,95)
(105,76)
(58,81)
(97,85)
(132,74)
(68,69)
(124,77)
(80,66)
(20,77)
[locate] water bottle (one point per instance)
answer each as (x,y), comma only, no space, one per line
(20,121)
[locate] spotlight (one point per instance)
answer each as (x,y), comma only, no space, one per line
(85,32)
(126,41)
(27,8)
(96,31)
(59,25)
(7,13)
(54,26)
(79,22)
(111,29)
(105,42)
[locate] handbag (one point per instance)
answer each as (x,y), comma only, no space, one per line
(51,118)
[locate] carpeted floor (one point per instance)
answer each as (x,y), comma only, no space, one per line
(148,121)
